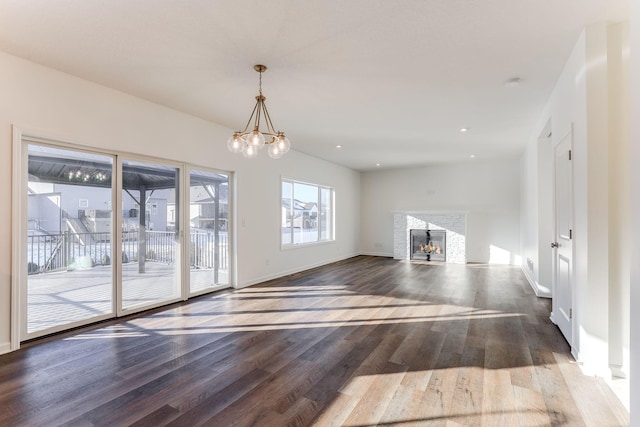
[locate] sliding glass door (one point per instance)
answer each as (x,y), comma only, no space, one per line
(103,235)
(209,231)
(150,260)
(69,239)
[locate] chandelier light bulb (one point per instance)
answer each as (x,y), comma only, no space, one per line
(235,143)
(255,139)
(274,151)
(283,143)
(250,152)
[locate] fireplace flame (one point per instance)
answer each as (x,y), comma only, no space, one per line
(429,248)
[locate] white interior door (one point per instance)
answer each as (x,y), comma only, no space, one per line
(563,245)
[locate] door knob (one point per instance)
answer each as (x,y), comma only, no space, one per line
(554,245)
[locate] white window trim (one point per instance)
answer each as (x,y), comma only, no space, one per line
(331,231)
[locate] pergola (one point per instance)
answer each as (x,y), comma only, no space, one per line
(54,166)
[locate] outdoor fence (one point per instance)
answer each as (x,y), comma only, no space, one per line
(69,250)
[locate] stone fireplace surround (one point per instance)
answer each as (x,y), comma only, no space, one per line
(454,224)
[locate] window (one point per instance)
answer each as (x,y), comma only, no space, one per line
(307,213)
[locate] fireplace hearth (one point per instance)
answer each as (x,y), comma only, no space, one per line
(428,245)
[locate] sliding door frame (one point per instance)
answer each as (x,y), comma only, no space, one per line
(21,139)
(230,231)
(180,258)
(18,231)
(20,226)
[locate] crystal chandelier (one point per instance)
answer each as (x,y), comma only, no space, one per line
(249,142)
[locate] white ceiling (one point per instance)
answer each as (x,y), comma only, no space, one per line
(392,81)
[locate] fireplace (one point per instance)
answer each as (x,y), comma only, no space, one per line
(428,245)
(452,223)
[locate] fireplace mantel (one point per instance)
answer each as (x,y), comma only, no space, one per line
(453,222)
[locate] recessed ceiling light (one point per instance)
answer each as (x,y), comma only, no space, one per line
(377,164)
(473,156)
(338,146)
(463,130)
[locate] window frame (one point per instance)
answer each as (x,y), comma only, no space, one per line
(330,215)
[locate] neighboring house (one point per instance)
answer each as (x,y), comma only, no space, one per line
(202,208)
(303,214)
(54,207)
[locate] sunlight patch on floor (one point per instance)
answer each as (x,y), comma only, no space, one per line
(110,332)
(436,402)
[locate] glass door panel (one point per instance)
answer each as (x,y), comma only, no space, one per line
(69,235)
(209,231)
(150,257)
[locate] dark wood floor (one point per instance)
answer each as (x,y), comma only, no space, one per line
(366,341)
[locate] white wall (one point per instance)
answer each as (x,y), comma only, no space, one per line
(488,191)
(529,214)
(567,112)
(52,104)
(619,198)
(635,214)
(545,180)
(535,212)
(582,100)
(591,186)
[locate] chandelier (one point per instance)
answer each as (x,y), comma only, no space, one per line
(249,142)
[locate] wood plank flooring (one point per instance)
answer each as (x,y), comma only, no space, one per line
(362,342)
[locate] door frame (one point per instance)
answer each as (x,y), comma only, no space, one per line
(120,157)
(20,222)
(186,213)
(18,229)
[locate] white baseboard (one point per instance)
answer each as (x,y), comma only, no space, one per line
(383,254)
(540,291)
(594,370)
(591,367)
(576,355)
(5,347)
(618,371)
(279,274)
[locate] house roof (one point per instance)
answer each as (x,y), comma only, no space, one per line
(298,205)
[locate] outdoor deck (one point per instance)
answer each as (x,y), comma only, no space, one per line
(60,298)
